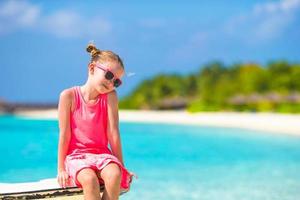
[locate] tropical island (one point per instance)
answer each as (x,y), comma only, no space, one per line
(216,87)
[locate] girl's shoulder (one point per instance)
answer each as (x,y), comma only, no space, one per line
(68,95)
(112,99)
(112,95)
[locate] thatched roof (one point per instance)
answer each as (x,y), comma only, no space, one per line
(173,103)
(273,97)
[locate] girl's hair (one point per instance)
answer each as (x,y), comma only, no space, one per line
(103,56)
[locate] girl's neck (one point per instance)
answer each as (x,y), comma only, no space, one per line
(89,93)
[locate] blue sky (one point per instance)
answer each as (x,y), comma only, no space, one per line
(43,42)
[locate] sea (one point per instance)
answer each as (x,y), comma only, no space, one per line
(172,161)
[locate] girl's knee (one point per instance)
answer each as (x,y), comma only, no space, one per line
(115,174)
(111,172)
(87,176)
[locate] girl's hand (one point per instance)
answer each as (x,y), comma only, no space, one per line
(63,178)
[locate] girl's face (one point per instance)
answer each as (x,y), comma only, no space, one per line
(99,81)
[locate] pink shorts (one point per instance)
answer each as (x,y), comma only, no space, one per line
(75,163)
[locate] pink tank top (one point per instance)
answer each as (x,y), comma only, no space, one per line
(88,125)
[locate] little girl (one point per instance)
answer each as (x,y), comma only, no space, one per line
(88,121)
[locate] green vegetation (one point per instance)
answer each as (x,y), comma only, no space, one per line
(216,87)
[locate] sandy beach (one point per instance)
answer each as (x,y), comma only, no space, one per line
(270,122)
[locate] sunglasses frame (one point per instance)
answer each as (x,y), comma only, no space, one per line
(106,69)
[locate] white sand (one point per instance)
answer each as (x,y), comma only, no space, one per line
(270,122)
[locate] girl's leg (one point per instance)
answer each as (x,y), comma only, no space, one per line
(87,177)
(111,175)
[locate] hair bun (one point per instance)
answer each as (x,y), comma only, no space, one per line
(91,48)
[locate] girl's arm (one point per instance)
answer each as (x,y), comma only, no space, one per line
(64,107)
(113,132)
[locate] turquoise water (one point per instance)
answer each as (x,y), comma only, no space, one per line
(172,161)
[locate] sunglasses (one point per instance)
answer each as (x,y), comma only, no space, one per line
(109,75)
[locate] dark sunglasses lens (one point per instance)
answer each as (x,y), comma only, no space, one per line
(109,75)
(117,83)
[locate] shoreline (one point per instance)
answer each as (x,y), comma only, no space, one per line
(270,122)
